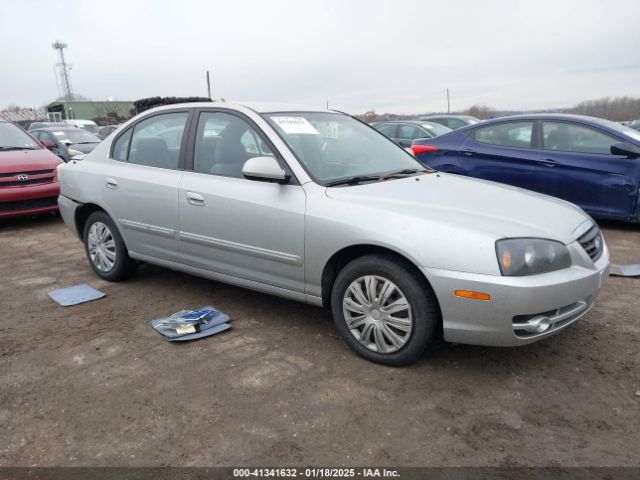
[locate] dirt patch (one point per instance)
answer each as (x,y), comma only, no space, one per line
(95,385)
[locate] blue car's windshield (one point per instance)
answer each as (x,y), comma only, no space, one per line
(619,128)
(333,146)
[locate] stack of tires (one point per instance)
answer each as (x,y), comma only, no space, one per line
(143,104)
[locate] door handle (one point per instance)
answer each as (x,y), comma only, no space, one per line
(195,199)
(468,152)
(111,183)
(547,162)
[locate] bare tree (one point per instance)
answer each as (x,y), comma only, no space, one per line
(611,108)
(76,97)
(617,109)
(480,111)
(370,116)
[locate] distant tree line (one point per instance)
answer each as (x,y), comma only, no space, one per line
(618,109)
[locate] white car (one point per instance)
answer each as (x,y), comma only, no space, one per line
(88,125)
(316,206)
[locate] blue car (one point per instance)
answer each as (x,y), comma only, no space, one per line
(588,161)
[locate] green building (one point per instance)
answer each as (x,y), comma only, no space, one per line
(102,113)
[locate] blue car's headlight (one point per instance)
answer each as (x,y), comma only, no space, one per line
(528,256)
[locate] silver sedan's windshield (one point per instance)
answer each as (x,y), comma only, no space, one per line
(333,146)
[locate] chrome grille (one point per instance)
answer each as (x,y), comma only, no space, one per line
(592,242)
(20,183)
(32,172)
(19,179)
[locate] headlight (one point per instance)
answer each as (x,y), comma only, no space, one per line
(528,256)
(57,172)
(73,152)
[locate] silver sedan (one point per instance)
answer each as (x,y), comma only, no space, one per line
(316,206)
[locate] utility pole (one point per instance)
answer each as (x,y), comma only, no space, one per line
(208,86)
(448,104)
(63,69)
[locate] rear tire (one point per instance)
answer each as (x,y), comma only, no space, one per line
(384,310)
(105,249)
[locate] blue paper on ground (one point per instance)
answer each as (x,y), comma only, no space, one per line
(75,295)
(191,325)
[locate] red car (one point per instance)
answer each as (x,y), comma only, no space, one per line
(28,174)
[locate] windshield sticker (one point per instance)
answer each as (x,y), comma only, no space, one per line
(295,125)
(58,134)
(329,129)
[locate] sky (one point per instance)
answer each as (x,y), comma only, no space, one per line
(396,56)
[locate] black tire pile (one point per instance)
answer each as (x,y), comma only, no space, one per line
(143,104)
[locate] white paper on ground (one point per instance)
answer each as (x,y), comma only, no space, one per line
(625,270)
(74,295)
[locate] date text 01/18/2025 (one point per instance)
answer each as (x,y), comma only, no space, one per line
(315,473)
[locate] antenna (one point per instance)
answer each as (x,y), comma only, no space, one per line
(63,70)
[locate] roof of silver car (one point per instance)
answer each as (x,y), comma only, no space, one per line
(265,107)
(260,107)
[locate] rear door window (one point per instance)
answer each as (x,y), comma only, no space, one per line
(156,140)
(454,123)
(46,136)
(508,134)
(387,129)
(410,132)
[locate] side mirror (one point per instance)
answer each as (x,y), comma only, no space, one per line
(265,169)
(625,149)
(48,144)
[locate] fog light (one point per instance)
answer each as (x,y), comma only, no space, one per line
(543,325)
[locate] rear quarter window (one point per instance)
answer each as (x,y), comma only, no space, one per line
(121,146)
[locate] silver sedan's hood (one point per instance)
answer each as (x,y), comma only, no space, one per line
(494,208)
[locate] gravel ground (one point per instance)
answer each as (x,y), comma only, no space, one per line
(95,385)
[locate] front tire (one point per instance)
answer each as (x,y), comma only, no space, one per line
(384,310)
(105,249)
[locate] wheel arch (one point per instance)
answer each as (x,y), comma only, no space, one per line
(347,254)
(83,213)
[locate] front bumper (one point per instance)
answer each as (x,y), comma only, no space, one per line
(29,199)
(562,296)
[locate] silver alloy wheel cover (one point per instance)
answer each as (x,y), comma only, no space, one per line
(102,247)
(377,313)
